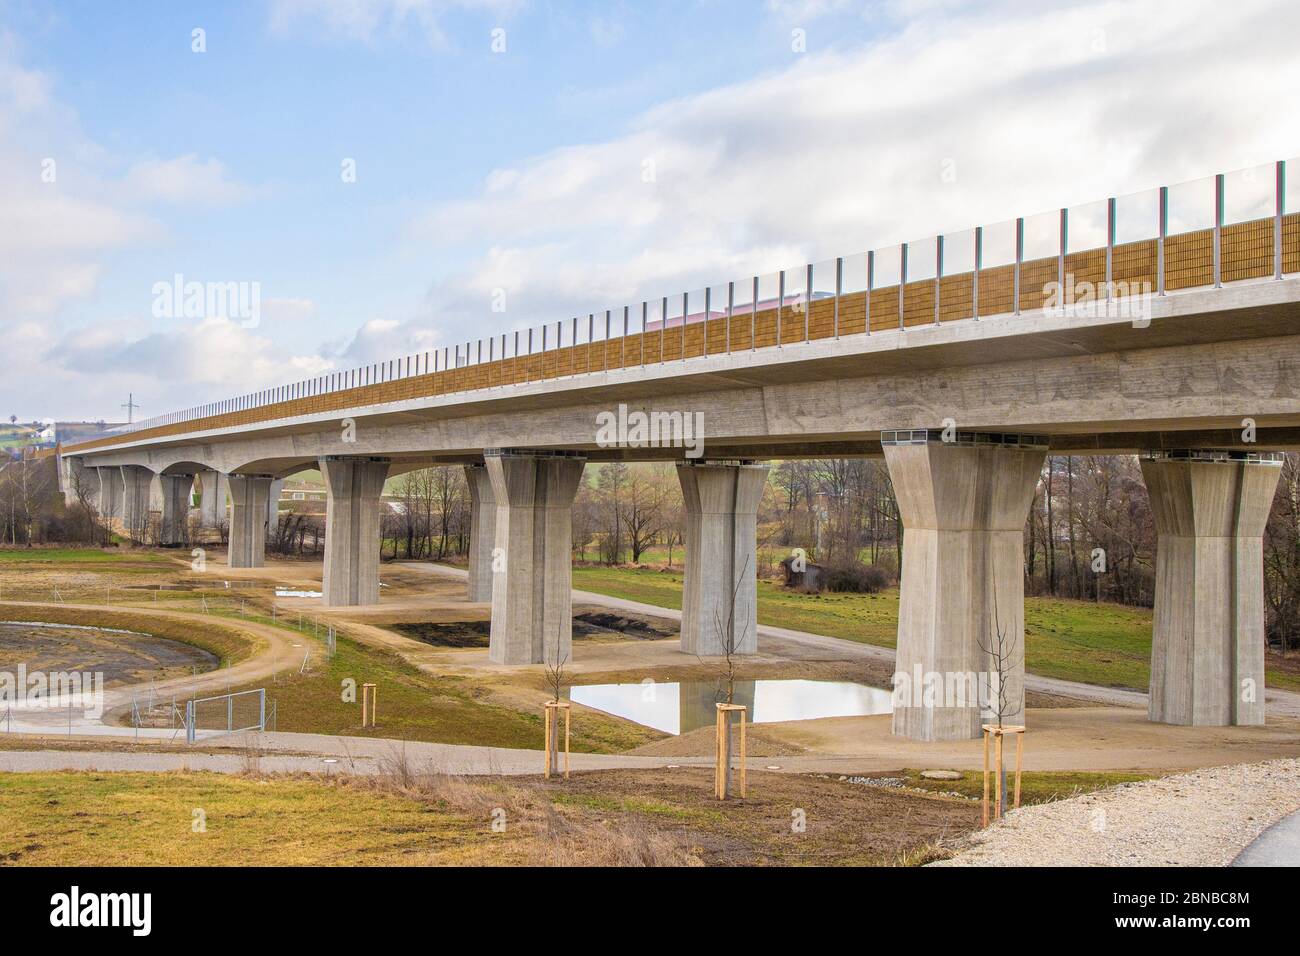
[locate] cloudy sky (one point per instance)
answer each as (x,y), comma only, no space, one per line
(398,175)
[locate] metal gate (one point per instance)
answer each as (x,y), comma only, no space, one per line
(225,714)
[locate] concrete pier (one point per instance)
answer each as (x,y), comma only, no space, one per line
(176,490)
(137,491)
(213,489)
(482,532)
(1207,649)
(353,488)
(720,592)
(532,620)
(964,503)
(109,499)
(273,504)
(248,494)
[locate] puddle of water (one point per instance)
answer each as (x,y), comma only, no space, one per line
(679,708)
(291,592)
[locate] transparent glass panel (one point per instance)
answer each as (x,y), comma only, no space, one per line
(1250,194)
(653,315)
(1292,185)
(999,245)
(744,296)
(1042,235)
(1191,206)
(921,259)
(1086,227)
(718,301)
(855,274)
(768,287)
(676,305)
(695,306)
(888,266)
(959,252)
(796,287)
(823,280)
(1137,216)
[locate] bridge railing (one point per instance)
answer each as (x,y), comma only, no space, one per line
(1106,254)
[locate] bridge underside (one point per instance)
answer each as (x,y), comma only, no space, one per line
(963,414)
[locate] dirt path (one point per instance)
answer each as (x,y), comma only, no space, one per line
(278,650)
(1204,818)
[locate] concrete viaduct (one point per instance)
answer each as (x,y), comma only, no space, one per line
(1186,351)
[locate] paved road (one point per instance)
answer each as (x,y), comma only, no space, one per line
(1279,845)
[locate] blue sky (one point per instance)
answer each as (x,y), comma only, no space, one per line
(776,132)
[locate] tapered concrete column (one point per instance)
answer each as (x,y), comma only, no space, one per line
(482,531)
(137,489)
(109,500)
(1207,647)
(354,487)
(176,508)
(964,503)
(273,504)
(248,494)
(532,611)
(213,488)
(720,591)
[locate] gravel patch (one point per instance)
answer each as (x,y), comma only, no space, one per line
(1203,818)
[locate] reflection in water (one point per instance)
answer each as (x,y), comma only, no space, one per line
(680,708)
(293,592)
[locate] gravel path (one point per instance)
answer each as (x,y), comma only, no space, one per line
(1203,818)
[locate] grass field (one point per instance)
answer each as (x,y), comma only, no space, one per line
(622,817)
(414,705)
(1104,644)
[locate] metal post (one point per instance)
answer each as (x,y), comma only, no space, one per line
(839,290)
(753,318)
(938,274)
(731,304)
(708,303)
(1277,219)
(1020,258)
(1065,244)
(780,304)
(807,300)
(645,315)
(871,286)
(686,311)
(1110,248)
(902,282)
(1218,231)
(975,274)
(663,326)
(1160,242)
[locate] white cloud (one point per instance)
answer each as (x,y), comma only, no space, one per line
(184,180)
(363,19)
(1030,107)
